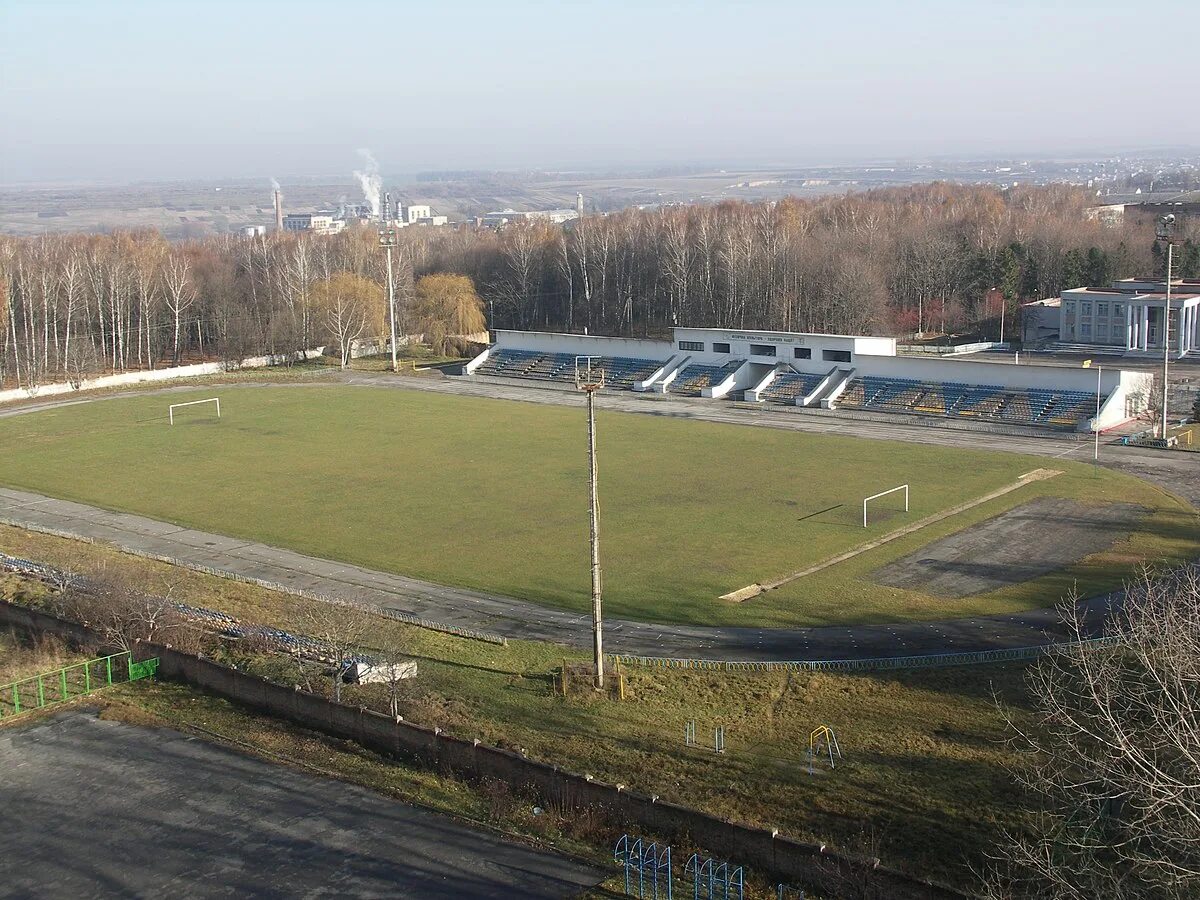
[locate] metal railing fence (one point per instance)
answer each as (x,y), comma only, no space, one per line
(68,682)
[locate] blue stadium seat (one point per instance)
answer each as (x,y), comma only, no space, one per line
(692,380)
(1034,406)
(788,386)
(619,371)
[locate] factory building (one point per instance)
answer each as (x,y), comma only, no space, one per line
(316,223)
(505,216)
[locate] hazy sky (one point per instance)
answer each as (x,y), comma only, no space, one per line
(177,89)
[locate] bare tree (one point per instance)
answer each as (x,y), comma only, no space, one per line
(1113,757)
(179,295)
(395,667)
(351,305)
(107,602)
(71,280)
(341,629)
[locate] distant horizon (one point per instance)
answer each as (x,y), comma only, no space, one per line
(134,90)
(627,169)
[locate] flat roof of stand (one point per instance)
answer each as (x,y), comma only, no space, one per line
(750,331)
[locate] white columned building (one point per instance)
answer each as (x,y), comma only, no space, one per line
(1129,315)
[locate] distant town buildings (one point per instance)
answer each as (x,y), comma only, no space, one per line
(505,216)
(1142,208)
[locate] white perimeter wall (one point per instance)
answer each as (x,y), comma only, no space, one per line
(152,375)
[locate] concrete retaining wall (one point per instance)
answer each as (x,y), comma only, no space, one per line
(764,850)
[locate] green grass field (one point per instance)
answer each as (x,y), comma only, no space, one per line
(491,494)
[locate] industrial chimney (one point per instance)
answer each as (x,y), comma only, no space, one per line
(278,210)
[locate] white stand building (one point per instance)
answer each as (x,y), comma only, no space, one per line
(827,371)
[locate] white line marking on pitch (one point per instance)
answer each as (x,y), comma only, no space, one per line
(1071,450)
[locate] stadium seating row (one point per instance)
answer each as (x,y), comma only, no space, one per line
(788,386)
(695,378)
(619,371)
(1035,406)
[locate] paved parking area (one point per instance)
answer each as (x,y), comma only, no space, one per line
(97,808)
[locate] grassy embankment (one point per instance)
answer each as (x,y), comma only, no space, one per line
(922,783)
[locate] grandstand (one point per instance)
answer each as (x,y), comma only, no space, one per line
(790,387)
(695,377)
(619,371)
(1034,406)
(833,372)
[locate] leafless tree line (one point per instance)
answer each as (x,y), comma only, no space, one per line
(916,259)
(1111,760)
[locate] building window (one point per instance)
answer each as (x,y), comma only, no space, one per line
(835,355)
(720,348)
(691,345)
(1085,309)
(1085,329)
(804,353)
(762,350)
(1102,310)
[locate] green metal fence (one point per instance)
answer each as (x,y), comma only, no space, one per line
(72,681)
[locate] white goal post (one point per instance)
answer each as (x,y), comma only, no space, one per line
(174,406)
(903,487)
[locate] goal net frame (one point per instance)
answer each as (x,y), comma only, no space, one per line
(866,500)
(174,406)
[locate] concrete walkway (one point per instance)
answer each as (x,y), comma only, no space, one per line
(520,619)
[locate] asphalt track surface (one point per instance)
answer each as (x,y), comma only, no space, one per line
(516,618)
(105,809)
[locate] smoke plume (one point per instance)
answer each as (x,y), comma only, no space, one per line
(370,181)
(274,187)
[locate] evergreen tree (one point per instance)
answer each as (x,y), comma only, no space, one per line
(1074,271)
(1099,268)
(1187,260)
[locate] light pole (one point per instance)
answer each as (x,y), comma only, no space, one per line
(1001,293)
(387,240)
(1096,423)
(589,379)
(1164,231)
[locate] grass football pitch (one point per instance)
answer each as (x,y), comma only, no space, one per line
(492,495)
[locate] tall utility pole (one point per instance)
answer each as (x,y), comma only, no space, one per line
(1165,232)
(589,378)
(387,240)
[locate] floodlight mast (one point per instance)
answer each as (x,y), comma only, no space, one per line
(1164,231)
(590,379)
(387,240)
